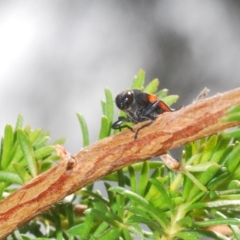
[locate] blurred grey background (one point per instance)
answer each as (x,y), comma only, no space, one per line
(56,57)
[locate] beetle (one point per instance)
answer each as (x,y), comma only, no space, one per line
(139,107)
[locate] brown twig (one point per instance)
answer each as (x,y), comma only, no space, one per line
(169,131)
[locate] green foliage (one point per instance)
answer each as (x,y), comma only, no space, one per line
(146,200)
(84,128)
(24,154)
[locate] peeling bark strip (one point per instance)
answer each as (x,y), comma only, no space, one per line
(169,131)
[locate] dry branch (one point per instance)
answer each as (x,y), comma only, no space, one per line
(169,131)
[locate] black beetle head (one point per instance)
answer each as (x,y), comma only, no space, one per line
(124,99)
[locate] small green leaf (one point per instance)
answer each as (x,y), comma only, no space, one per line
(203,233)
(142,220)
(223,203)
(229,193)
(187,186)
(27,129)
(14,151)
(155,213)
(77,229)
(195,206)
(233,134)
(186,236)
(162,93)
(234,184)
(187,152)
(100,229)
(2,187)
(111,234)
(109,107)
(138,80)
(85,231)
(137,211)
(169,100)
(203,179)
(164,194)
(7,146)
(100,206)
(84,128)
(114,216)
(41,142)
(231,117)
(222,145)
(208,149)
(44,152)
(133,178)
(27,152)
(111,197)
(18,154)
(220,180)
(103,217)
(219,221)
(59,141)
(200,167)
(186,222)
(17,235)
(196,182)
(236,231)
(10,177)
(154,194)
(195,147)
(90,193)
(45,165)
(1,150)
(34,135)
(233,114)
(225,154)
(152,86)
(120,198)
(126,233)
(144,176)
(19,123)
(234,109)
(104,106)
(176,183)
(153,164)
(232,160)
(105,128)
(120,178)
(157,171)
(22,172)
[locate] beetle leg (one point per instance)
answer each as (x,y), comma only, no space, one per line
(151,108)
(118,124)
(145,125)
